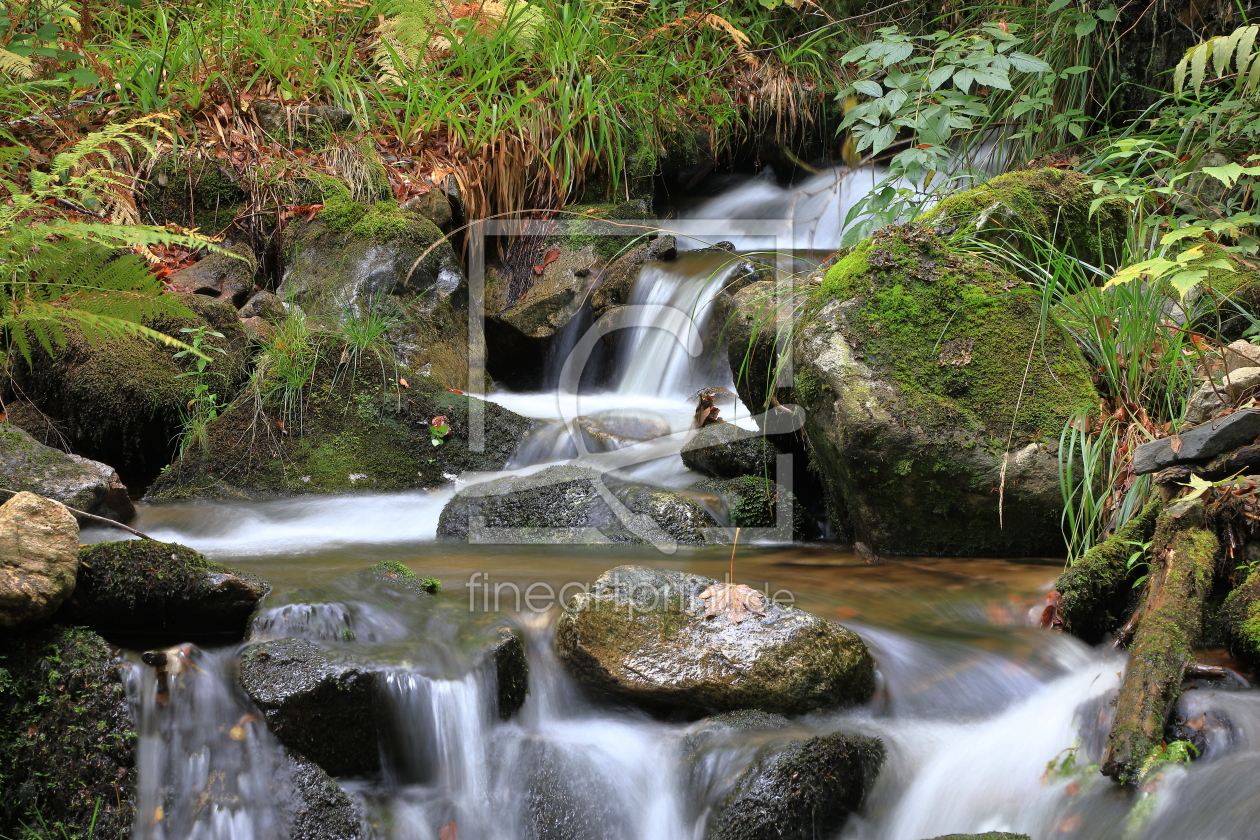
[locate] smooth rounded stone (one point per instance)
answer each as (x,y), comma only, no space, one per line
(320,808)
(641,635)
(724,450)
(67,747)
(1212,397)
(563,504)
(75,481)
(1241,354)
(228,277)
(794,785)
(263,305)
(616,428)
(161,590)
(39,559)
(752,502)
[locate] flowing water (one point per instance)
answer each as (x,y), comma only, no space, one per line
(989,723)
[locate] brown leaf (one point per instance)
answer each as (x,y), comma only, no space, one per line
(403,382)
(548,258)
(448,832)
(736,602)
(1176,444)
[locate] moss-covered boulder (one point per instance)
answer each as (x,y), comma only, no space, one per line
(753,336)
(751,501)
(793,786)
(67,748)
(564,504)
(352,259)
(325,660)
(554,296)
(161,590)
(122,401)
(935,393)
(37,559)
(642,635)
(1050,205)
(193,190)
(75,481)
(724,450)
(359,433)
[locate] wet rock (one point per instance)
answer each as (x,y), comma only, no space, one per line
(988,835)
(434,206)
(794,785)
(751,330)
(77,482)
(641,635)
(567,502)
(911,435)
(121,400)
(321,707)
(355,258)
(67,747)
(569,797)
(618,279)
(1235,387)
(321,809)
(752,502)
(38,560)
(1200,443)
(555,296)
(263,305)
(193,190)
(162,590)
(724,450)
(226,277)
(604,431)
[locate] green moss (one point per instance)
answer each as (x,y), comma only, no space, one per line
(193,191)
(66,739)
(584,226)
(379,222)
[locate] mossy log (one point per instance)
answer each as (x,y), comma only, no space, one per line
(1240,616)
(1095,590)
(1169,624)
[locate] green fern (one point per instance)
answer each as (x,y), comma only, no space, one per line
(16,65)
(57,273)
(1236,50)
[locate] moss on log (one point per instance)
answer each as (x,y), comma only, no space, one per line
(1095,590)
(1183,564)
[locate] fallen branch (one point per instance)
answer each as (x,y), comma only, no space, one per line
(93,517)
(1183,563)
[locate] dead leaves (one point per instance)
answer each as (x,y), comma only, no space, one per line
(737,602)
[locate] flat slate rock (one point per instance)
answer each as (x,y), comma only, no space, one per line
(1200,443)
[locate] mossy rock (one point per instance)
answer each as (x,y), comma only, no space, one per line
(617,281)
(355,256)
(555,296)
(27,464)
(641,635)
(192,190)
(563,504)
(794,786)
(594,225)
(921,370)
(320,808)
(1052,205)
(121,401)
(1235,295)
(363,434)
(161,591)
(751,501)
(724,450)
(67,747)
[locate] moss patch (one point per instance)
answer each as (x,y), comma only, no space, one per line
(66,739)
(193,191)
(586,225)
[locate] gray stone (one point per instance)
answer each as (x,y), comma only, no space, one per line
(1241,354)
(1200,443)
(434,206)
(724,450)
(38,559)
(263,305)
(618,279)
(564,504)
(161,590)
(794,785)
(555,296)
(641,635)
(225,277)
(568,797)
(289,120)
(75,481)
(320,809)
(752,502)
(1212,397)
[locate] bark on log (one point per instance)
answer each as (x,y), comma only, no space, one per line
(1096,589)
(1183,563)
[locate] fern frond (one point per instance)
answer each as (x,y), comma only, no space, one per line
(30,323)
(130,137)
(1234,52)
(16,65)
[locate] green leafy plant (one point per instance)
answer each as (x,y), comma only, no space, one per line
(439,428)
(205,405)
(431,584)
(363,331)
(284,372)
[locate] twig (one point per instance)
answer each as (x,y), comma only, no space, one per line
(93,517)
(731,579)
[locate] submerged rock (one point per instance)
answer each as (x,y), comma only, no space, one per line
(641,635)
(724,450)
(67,748)
(38,560)
(564,504)
(569,797)
(89,486)
(320,809)
(161,589)
(793,786)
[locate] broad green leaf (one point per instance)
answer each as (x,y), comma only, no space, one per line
(1025,63)
(1246,43)
(1198,65)
(940,76)
(1230,173)
(868,87)
(1183,233)
(882,138)
(1086,26)
(993,79)
(1109,15)
(1057,5)
(963,79)
(1222,51)
(1198,486)
(1185,280)
(898,52)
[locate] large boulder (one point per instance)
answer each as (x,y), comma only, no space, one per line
(724,450)
(358,260)
(553,297)
(641,635)
(355,433)
(161,591)
(935,393)
(323,662)
(75,481)
(794,785)
(122,400)
(564,504)
(67,745)
(38,560)
(570,796)
(617,281)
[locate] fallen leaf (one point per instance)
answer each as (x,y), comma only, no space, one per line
(448,832)
(1176,444)
(403,382)
(737,602)
(237,733)
(548,258)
